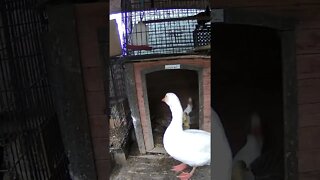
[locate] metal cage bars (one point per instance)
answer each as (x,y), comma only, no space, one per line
(30,141)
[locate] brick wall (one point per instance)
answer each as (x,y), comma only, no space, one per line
(91,17)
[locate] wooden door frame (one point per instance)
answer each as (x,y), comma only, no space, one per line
(286,30)
(149,143)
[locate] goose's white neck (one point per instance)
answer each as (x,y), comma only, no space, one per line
(177,114)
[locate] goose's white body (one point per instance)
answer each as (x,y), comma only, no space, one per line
(222,155)
(192,146)
(252,149)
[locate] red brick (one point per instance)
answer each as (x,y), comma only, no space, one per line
(99,126)
(93,79)
(88,21)
(103,169)
(96,102)
(100,147)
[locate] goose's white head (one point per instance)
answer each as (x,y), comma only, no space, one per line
(171,99)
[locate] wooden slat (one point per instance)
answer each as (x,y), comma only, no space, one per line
(313,175)
(302,2)
(309,160)
(144,116)
(252,3)
(309,91)
(309,115)
(308,66)
(309,138)
(132,98)
(308,16)
(308,41)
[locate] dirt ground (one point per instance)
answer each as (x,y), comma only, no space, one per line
(153,166)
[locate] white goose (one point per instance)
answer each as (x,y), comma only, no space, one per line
(252,149)
(222,155)
(192,146)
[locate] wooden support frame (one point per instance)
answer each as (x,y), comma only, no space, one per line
(149,141)
(143,132)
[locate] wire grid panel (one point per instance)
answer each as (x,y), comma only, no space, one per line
(168,30)
(117,93)
(27,151)
(117,82)
(202,36)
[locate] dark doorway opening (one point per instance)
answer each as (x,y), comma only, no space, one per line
(247,79)
(182,82)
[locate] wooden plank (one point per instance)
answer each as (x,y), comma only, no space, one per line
(251,3)
(308,16)
(309,138)
(309,160)
(245,17)
(308,2)
(308,66)
(133,103)
(309,115)
(311,175)
(312,108)
(309,91)
(308,41)
(144,107)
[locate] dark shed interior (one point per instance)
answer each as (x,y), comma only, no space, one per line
(182,82)
(247,81)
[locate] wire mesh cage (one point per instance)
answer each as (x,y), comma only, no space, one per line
(30,142)
(202,37)
(118,97)
(162,27)
(120,120)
